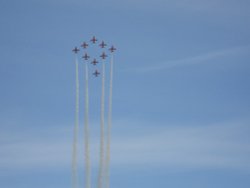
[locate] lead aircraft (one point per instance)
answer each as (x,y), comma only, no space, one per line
(93,40)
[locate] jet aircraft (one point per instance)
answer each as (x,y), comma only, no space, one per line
(94,62)
(84,45)
(102,45)
(103,56)
(75,50)
(93,40)
(112,49)
(86,57)
(96,73)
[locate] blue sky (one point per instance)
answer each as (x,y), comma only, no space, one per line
(181,91)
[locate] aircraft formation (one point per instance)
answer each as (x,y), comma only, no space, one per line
(94,52)
(86,56)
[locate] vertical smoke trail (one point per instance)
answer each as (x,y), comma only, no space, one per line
(101,162)
(107,165)
(86,132)
(76,127)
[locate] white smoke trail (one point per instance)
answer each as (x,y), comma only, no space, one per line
(86,132)
(76,127)
(101,162)
(107,162)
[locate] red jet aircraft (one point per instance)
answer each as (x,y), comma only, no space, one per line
(84,45)
(102,45)
(96,73)
(75,50)
(112,49)
(94,62)
(86,57)
(93,40)
(103,56)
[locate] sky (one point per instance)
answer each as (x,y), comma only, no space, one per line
(181,95)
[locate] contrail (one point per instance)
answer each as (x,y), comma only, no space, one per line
(101,162)
(86,132)
(76,127)
(107,162)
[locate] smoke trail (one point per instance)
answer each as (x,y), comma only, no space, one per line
(76,127)
(86,132)
(107,165)
(101,162)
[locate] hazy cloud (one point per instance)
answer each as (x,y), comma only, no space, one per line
(223,145)
(198,59)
